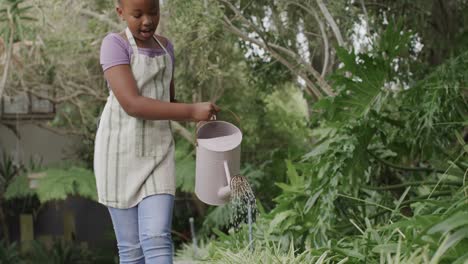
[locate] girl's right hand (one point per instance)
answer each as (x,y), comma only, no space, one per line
(204,111)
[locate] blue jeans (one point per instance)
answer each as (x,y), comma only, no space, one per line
(144,232)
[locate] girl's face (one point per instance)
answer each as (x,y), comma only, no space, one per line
(142,17)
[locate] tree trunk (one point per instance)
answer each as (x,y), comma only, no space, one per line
(6,68)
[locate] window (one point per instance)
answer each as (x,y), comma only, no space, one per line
(25,106)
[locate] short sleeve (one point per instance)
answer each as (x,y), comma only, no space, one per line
(114,51)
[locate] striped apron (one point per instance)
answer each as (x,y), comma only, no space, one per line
(134,158)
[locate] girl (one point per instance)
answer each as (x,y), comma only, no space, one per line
(134,148)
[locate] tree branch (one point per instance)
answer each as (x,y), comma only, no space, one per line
(57,100)
(366,15)
(100,17)
(324,38)
(271,48)
(311,89)
(59,131)
(322,83)
(326,47)
(9,52)
(185,133)
(331,22)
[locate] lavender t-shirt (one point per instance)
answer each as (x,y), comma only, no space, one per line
(115,50)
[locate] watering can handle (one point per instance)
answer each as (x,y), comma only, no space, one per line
(199,124)
(235,116)
(213,118)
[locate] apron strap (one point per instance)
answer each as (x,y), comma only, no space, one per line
(131,40)
(133,44)
(160,44)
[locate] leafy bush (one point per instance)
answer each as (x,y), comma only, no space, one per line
(9,253)
(268,252)
(59,253)
(58,183)
(385,180)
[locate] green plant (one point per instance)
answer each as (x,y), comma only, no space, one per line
(381,176)
(59,253)
(9,253)
(270,253)
(261,251)
(185,167)
(8,173)
(58,183)
(8,170)
(189,252)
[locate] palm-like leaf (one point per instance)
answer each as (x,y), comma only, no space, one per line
(361,80)
(58,184)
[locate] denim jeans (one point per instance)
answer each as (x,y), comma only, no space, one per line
(144,232)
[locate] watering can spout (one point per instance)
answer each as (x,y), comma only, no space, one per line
(225,192)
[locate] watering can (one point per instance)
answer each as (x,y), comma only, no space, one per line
(217,158)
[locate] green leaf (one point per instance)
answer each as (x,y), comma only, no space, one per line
(288,188)
(450,241)
(462,260)
(386,248)
(19,188)
(450,224)
(292,173)
(311,201)
(318,150)
(219,217)
(278,219)
(350,253)
(58,184)
(28,18)
(220,234)
(185,168)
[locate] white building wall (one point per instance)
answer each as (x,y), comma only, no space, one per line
(36,142)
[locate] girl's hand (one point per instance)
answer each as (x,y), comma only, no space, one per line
(204,111)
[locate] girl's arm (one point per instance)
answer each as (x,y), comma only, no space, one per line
(125,89)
